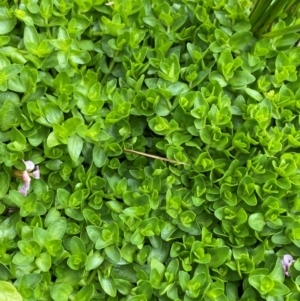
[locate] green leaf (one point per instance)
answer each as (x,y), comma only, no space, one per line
(10,115)
(57,228)
(7,21)
(241,79)
(75,145)
(77,245)
(218,256)
(99,155)
(170,69)
(41,236)
(31,38)
(240,39)
(94,261)
(257,221)
(61,292)
(11,70)
(8,292)
(85,294)
(8,228)
(53,114)
(282,32)
(43,262)
(113,149)
(113,253)
(108,286)
(4,179)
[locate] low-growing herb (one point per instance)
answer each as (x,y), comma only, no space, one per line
(163,139)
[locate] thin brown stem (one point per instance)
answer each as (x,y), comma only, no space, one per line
(153,156)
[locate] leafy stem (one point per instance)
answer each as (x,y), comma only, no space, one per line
(91,276)
(110,67)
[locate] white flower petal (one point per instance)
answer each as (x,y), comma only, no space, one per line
(29,165)
(36,174)
(26,177)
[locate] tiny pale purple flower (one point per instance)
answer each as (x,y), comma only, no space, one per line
(26,176)
(36,174)
(25,188)
(286,262)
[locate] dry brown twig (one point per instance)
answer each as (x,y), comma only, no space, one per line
(153,156)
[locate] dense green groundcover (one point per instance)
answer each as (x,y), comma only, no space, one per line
(88,91)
